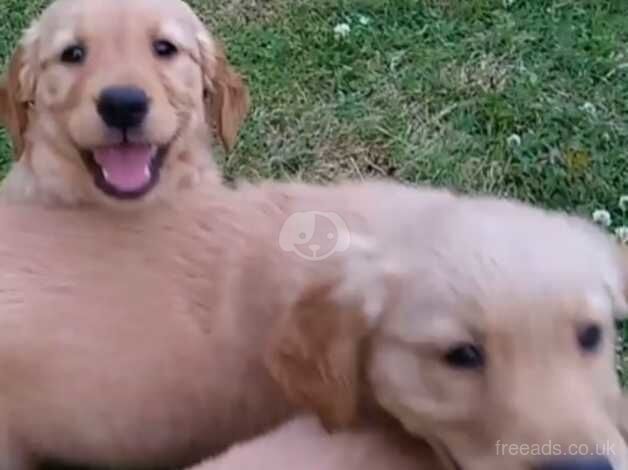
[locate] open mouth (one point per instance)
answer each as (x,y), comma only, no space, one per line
(127,170)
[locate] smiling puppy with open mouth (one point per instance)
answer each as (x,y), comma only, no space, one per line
(114,102)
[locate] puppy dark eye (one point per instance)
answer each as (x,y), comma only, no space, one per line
(465,356)
(74,54)
(164,48)
(590,337)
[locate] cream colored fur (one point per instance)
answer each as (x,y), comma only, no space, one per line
(518,283)
(138,338)
(304,444)
(142,339)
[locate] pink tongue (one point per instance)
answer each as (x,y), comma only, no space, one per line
(126,167)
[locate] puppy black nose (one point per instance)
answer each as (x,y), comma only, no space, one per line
(123,107)
(579,463)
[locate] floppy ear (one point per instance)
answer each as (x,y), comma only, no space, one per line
(315,357)
(15,98)
(315,352)
(227,97)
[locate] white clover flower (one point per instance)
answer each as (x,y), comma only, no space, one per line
(622,234)
(602,217)
(514,140)
(588,108)
(508,3)
(623,202)
(364,20)
(341,30)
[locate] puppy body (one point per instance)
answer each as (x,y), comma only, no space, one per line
(140,339)
(138,342)
(137,339)
(304,444)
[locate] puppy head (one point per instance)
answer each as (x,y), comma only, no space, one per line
(501,350)
(123,95)
(496,346)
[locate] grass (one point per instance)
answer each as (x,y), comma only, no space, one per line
(427,91)
(528,100)
(435,91)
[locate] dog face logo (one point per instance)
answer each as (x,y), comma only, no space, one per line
(314,235)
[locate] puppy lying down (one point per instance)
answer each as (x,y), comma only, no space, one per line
(493,339)
(144,343)
(431,381)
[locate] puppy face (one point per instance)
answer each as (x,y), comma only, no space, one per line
(497,347)
(521,392)
(127,92)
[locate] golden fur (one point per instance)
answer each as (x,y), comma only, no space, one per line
(161,363)
(518,284)
(136,339)
(50,109)
(140,339)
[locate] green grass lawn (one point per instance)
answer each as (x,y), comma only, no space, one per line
(432,90)
(428,90)
(527,98)
(514,97)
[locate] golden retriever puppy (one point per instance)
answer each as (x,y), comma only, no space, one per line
(139,340)
(494,342)
(136,339)
(304,444)
(115,102)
